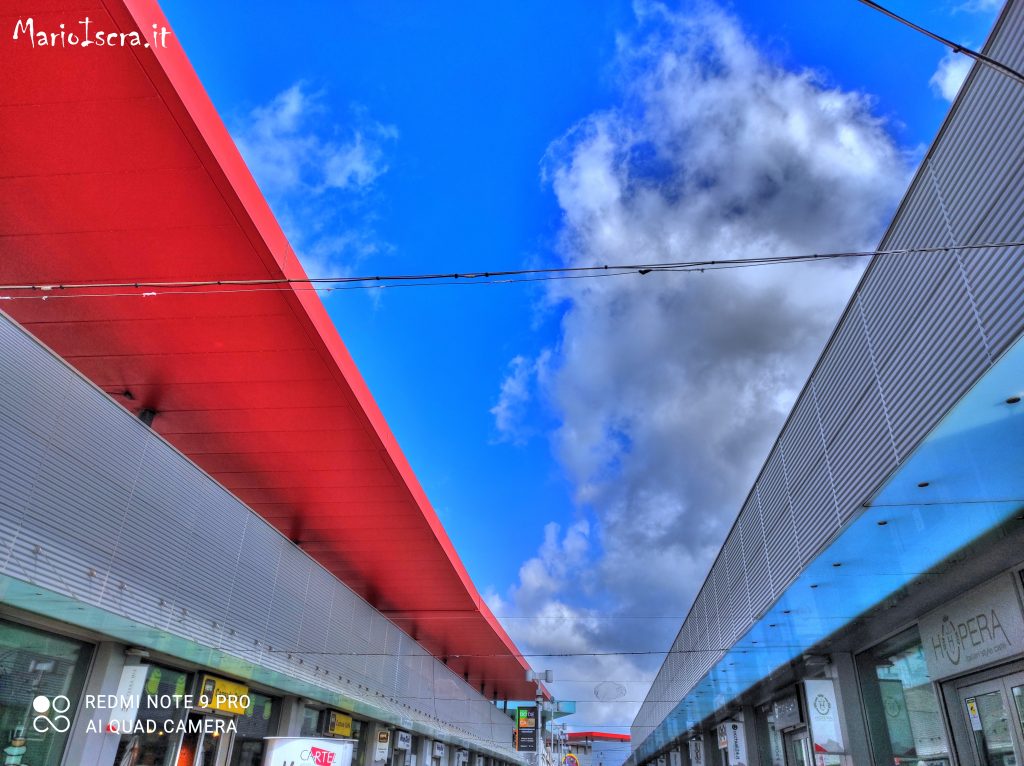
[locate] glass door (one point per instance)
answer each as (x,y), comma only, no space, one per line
(798,748)
(994,713)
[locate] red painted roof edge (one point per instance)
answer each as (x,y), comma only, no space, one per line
(577,735)
(187,90)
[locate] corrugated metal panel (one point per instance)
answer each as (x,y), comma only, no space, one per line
(759,584)
(95,506)
(779,531)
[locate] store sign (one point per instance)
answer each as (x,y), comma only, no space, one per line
(338,724)
(382,745)
(403,740)
(438,750)
(129,696)
(221,694)
(675,758)
(696,748)
(526,725)
(480,760)
(823,712)
(979,628)
(786,712)
(304,751)
(731,739)
(570,759)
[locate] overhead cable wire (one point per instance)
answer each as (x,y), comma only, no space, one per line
(485,277)
(988,61)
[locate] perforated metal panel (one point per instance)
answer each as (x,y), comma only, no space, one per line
(919,330)
(95,506)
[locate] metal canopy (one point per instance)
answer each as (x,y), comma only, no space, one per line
(114,166)
(963,481)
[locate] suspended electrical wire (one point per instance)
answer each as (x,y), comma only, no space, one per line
(988,61)
(327,284)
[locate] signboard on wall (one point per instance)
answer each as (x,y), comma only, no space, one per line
(675,758)
(736,743)
(129,690)
(823,715)
(382,746)
(786,712)
(338,724)
(981,627)
(438,751)
(526,725)
(403,740)
(306,751)
(220,694)
(696,748)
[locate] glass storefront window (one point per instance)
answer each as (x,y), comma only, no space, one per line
(256,724)
(311,722)
(157,748)
(901,707)
(34,663)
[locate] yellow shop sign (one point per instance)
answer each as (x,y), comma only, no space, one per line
(226,696)
(339,724)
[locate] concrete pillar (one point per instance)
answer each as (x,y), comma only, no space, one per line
(289,722)
(88,748)
(848,699)
(749,718)
(423,746)
(712,755)
(371,746)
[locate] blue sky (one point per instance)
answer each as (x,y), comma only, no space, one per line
(407,137)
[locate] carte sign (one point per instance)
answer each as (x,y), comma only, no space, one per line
(983,626)
(305,751)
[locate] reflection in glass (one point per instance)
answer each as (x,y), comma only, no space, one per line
(994,742)
(902,710)
(34,663)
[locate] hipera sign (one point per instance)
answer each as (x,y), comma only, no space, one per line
(981,627)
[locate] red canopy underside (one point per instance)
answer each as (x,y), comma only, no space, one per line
(114,166)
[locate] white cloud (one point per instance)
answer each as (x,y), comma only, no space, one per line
(670,388)
(980,6)
(517,392)
(317,175)
(950,75)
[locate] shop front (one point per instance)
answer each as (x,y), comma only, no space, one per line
(38,665)
(950,689)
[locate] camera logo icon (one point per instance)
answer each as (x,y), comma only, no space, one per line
(50,714)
